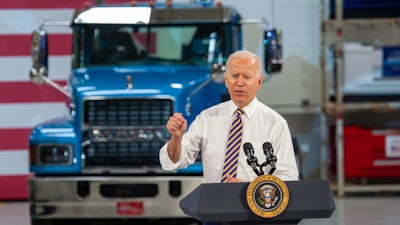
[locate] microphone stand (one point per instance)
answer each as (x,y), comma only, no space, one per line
(270,160)
(253,162)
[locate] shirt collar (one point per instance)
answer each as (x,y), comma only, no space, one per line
(248,109)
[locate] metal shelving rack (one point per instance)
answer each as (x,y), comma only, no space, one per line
(333,31)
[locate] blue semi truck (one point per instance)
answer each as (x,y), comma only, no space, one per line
(132,66)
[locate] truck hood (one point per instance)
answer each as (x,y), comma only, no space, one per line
(145,81)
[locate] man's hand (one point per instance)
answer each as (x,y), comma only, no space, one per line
(231,179)
(177,125)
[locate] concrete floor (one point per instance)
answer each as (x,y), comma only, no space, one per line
(354,210)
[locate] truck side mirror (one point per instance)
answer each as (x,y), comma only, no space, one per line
(273,50)
(39,48)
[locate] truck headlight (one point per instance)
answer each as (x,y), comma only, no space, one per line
(59,154)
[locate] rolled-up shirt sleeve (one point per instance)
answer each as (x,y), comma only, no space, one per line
(166,162)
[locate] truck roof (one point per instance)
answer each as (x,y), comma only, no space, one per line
(159,13)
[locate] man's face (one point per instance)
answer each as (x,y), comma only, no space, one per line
(242,80)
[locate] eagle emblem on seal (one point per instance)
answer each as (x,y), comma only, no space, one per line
(267,196)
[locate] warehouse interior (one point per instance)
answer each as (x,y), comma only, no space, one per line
(339,90)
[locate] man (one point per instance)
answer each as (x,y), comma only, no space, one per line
(209,132)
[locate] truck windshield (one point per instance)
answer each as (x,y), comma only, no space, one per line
(197,45)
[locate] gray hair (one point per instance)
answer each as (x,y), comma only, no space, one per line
(245,54)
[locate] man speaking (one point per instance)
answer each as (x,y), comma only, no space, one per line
(219,132)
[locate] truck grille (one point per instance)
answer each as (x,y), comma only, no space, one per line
(125,132)
(127,112)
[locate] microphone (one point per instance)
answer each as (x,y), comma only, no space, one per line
(271,158)
(251,159)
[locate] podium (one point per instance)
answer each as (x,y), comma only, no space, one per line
(226,203)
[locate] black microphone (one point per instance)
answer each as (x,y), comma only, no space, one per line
(251,159)
(271,158)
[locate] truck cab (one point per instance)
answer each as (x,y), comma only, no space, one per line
(132,66)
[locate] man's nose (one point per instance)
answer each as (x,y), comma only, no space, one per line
(241,80)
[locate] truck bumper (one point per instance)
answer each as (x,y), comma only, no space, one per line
(155,197)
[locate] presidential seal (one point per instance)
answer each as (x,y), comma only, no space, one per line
(267,196)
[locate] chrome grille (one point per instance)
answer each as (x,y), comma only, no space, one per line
(127,112)
(116,154)
(122,119)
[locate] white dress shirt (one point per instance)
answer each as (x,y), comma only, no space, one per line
(208,135)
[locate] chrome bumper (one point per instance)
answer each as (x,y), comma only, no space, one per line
(109,197)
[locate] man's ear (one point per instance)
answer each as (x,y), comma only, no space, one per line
(260,80)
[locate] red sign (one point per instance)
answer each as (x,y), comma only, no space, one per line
(129,208)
